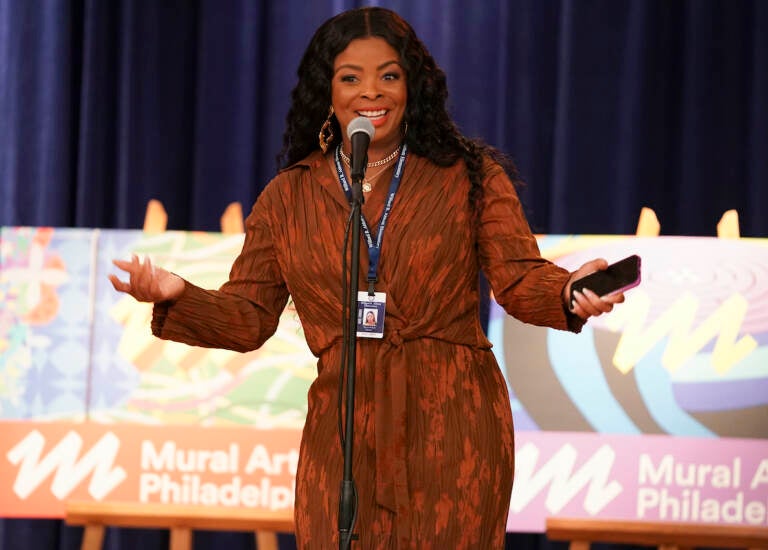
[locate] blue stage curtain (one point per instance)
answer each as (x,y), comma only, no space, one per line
(605,106)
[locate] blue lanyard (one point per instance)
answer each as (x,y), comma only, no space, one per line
(374,249)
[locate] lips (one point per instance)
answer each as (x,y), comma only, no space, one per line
(373,113)
(376,116)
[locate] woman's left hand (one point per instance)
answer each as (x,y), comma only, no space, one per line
(587,304)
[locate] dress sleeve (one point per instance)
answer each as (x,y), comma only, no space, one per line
(526,285)
(245,311)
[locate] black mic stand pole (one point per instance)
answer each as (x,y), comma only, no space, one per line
(348,500)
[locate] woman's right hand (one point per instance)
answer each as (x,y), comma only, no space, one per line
(146,282)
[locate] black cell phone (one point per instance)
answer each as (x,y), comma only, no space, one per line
(617,277)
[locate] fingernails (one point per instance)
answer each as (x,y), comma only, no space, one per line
(573,302)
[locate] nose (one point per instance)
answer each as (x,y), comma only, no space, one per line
(370,88)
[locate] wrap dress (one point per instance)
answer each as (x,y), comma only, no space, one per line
(433,436)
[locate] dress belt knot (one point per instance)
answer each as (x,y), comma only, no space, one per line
(395,339)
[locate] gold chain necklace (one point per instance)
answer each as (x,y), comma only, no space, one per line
(368,181)
(381,162)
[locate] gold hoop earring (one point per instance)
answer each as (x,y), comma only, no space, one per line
(325,137)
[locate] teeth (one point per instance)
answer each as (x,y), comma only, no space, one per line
(373,114)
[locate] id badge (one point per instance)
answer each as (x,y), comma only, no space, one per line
(370,314)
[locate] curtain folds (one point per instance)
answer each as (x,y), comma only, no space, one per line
(605,106)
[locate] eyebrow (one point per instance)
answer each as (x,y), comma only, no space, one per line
(358,68)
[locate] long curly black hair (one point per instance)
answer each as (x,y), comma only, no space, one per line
(431,131)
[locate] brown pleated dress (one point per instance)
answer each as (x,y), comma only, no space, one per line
(433,440)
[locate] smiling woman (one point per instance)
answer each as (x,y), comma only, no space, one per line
(433,438)
(369,81)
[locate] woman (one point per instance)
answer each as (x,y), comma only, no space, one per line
(370,319)
(433,428)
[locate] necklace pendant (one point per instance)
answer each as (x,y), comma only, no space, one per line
(367,186)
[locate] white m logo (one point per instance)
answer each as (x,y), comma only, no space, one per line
(564,482)
(63,459)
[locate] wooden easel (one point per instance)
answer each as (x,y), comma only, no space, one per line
(156,219)
(665,535)
(648,224)
(180,520)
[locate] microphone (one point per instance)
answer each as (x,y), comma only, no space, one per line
(360,132)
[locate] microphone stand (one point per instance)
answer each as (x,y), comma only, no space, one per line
(348,499)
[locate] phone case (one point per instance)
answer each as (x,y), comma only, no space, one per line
(617,277)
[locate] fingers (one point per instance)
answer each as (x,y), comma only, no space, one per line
(582,304)
(132,265)
(141,279)
(588,304)
(119,285)
(122,264)
(127,266)
(141,284)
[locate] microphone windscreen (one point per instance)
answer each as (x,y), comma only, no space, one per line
(360,124)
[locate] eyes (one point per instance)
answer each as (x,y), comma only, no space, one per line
(353,78)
